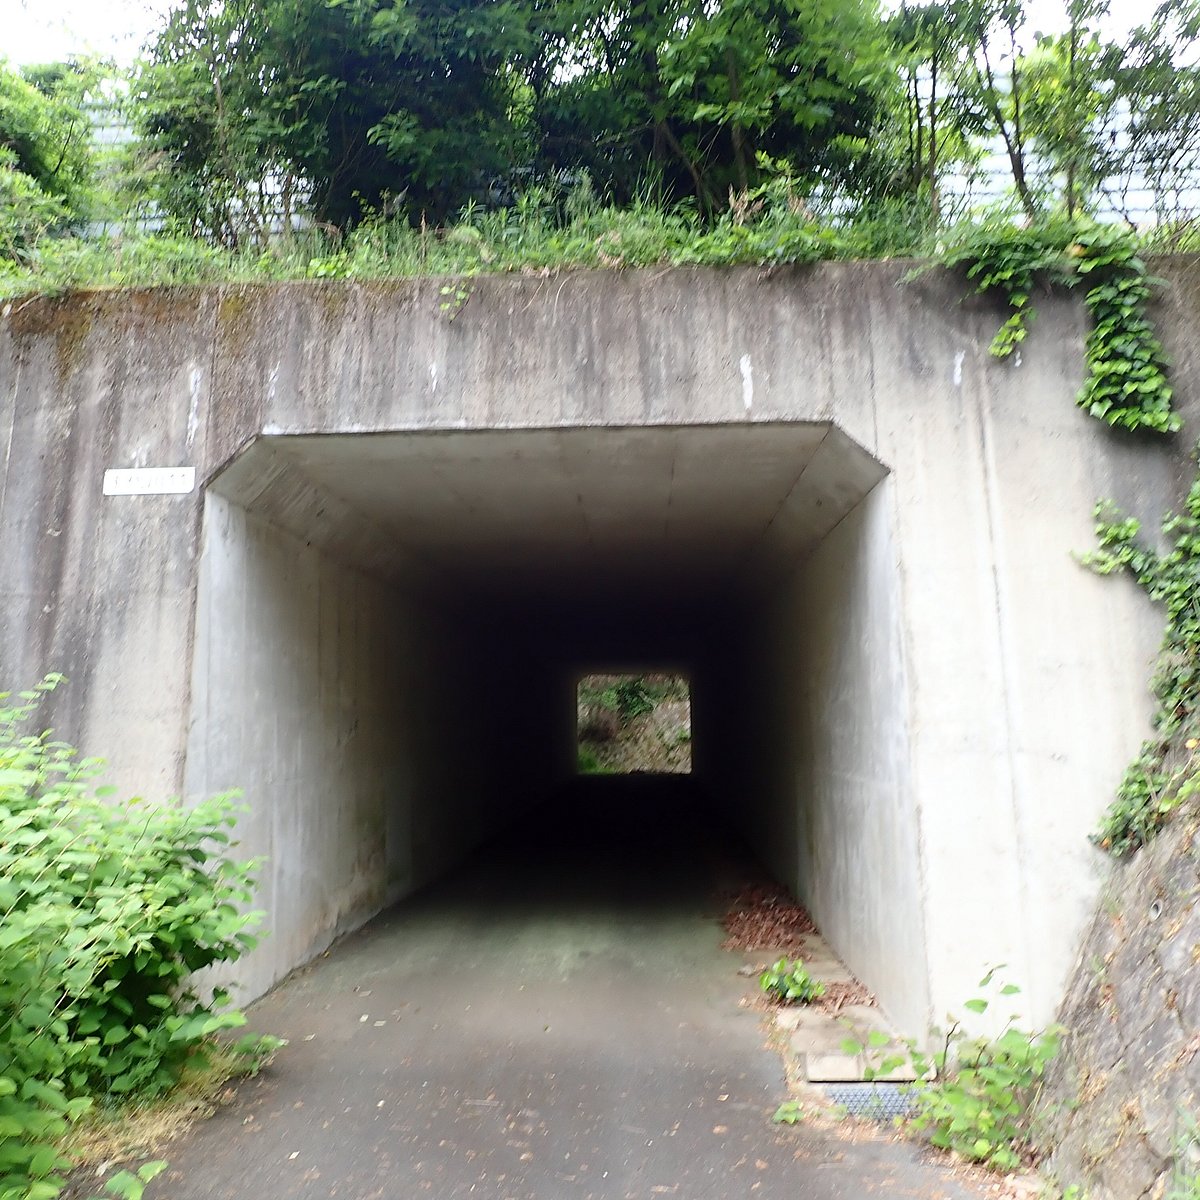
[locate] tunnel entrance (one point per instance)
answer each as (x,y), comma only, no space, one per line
(390,627)
(634,723)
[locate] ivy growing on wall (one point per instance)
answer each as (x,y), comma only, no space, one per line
(1127,382)
(1165,773)
(1126,386)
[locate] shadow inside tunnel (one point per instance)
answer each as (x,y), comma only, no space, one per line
(644,842)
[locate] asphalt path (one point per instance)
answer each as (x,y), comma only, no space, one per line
(554,1021)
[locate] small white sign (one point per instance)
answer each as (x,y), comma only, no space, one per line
(150,481)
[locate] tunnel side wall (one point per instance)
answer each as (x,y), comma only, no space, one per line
(857,859)
(302,699)
(1028,675)
(374,737)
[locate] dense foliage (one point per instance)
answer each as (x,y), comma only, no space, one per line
(425,106)
(257,113)
(254,118)
(46,155)
(108,910)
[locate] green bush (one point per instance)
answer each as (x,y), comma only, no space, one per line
(978,1092)
(27,212)
(108,908)
(791,983)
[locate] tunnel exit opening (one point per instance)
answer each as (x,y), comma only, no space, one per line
(390,631)
(634,723)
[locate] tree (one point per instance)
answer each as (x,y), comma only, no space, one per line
(46,161)
(47,133)
(1153,138)
(249,105)
(423,105)
(931,49)
(1067,104)
(793,79)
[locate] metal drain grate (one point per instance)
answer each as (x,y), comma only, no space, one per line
(874,1101)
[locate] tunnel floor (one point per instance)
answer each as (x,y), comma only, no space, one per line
(553,1021)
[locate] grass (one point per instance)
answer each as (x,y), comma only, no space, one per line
(537,235)
(108,1135)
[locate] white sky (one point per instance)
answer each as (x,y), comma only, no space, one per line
(36,31)
(33,31)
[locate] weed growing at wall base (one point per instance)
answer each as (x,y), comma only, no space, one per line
(981,1091)
(790,983)
(108,909)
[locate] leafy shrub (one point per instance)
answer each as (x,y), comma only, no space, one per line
(108,909)
(632,698)
(980,1091)
(27,212)
(48,136)
(790,983)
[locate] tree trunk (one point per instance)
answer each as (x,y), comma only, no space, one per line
(736,132)
(934,200)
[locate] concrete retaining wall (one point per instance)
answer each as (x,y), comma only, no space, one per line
(916,703)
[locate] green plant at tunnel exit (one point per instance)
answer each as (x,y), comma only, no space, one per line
(791,983)
(632,698)
(107,909)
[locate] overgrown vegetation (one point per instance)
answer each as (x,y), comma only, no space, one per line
(978,1092)
(109,910)
(1167,771)
(248,121)
(1127,382)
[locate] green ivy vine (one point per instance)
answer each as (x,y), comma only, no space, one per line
(1127,382)
(1165,774)
(1126,386)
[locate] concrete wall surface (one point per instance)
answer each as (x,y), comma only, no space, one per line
(812,490)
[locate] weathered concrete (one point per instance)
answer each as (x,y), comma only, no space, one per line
(812,491)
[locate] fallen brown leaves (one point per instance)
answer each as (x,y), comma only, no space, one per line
(765,916)
(842,995)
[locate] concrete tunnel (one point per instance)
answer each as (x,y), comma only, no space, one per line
(411,613)
(393,541)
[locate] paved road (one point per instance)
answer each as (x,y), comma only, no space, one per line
(554,1022)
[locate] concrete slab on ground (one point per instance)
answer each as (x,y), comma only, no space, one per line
(815,1035)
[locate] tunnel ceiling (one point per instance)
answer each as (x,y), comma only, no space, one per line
(562,511)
